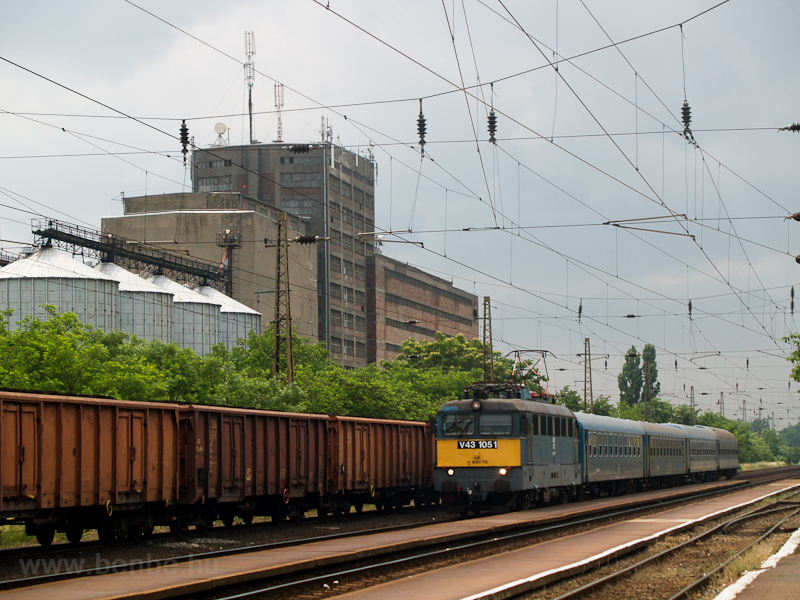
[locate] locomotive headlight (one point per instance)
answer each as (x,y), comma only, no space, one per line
(451,472)
(476,405)
(503,471)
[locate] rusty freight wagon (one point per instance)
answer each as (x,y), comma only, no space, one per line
(242,462)
(388,463)
(71,463)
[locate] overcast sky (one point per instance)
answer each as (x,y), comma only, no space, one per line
(599,140)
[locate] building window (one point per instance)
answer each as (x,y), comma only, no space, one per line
(336,345)
(360,298)
(336,264)
(334,183)
(347,216)
(358,195)
(347,321)
(347,268)
(335,211)
(360,273)
(361,323)
(336,237)
(301,160)
(369,201)
(213,164)
(347,190)
(361,350)
(347,347)
(301,180)
(336,290)
(336,318)
(214,184)
(347,294)
(393,348)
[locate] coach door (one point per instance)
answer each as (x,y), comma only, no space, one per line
(20,451)
(362,455)
(131,446)
(232,452)
(298,463)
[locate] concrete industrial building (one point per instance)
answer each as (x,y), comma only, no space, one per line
(333,191)
(404,302)
(344,291)
(195,223)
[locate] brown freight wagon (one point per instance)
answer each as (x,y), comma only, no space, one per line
(388,463)
(70,463)
(242,462)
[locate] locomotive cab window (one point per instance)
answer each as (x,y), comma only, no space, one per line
(490,424)
(458,424)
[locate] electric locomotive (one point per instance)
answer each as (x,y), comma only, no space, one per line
(501,448)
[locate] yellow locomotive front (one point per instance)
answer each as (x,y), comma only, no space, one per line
(481,449)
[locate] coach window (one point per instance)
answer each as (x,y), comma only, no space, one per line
(490,424)
(458,424)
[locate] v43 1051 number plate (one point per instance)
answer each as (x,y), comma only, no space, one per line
(477,444)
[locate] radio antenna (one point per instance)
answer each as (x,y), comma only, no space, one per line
(250,74)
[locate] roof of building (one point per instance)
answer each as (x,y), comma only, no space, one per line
(128,282)
(229,305)
(50,263)
(180,293)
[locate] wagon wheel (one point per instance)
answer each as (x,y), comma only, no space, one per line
(247,518)
(227,519)
(205,526)
(45,535)
(134,535)
(74,533)
(359,506)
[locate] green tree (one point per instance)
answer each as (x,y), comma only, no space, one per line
(630,379)
(649,367)
(570,398)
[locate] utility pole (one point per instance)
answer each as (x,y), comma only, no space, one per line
(744,409)
(691,403)
(282,324)
(722,403)
(647,407)
(488,354)
(587,376)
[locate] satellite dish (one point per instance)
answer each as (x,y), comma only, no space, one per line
(220,128)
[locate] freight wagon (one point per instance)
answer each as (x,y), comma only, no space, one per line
(69,464)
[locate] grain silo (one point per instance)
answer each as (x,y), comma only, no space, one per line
(144,309)
(235,320)
(50,276)
(195,320)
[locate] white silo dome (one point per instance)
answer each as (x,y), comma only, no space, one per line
(144,309)
(195,322)
(50,276)
(236,320)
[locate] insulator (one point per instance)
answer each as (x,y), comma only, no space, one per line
(791,304)
(690,309)
(306,239)
(184,140)
(748,364)
(676,364)
(580,306)
(300,148)
(686,114)
(421,127)
(793,127)
(492,126)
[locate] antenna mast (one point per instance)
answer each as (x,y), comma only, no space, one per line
(250,74)
(278,107)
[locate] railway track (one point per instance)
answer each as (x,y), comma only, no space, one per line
(406,564)
(408,561)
